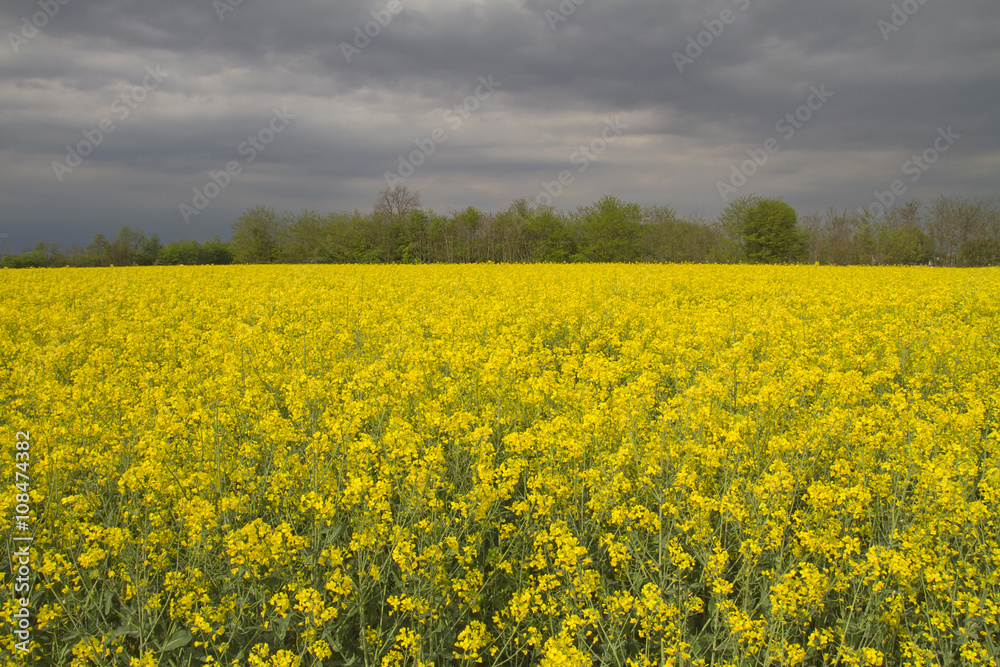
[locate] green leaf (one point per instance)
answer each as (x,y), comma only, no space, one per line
(177,640)
(126,629)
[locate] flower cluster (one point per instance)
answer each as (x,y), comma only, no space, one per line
(517,465)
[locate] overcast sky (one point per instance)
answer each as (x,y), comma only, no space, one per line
(114,112)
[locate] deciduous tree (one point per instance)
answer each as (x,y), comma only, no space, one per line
(257,236)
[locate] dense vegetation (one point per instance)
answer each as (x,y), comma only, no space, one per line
(504,465)
(951,231)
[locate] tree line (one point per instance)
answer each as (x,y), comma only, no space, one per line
(951,231)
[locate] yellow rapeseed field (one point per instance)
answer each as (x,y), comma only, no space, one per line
(508,465)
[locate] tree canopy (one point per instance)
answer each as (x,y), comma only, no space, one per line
(951,231)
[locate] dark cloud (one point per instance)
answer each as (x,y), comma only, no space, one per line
(561,73)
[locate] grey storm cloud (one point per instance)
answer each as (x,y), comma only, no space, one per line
(702,87)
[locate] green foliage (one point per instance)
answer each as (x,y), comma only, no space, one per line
(305,239)
(611,231)
(547,235)
(981,252)
(668,238)
(180,252)
(908,245)
(770,232)
(98,251)
(149,252)
(951,231)
(761,230)
(257,236)
(732,226)
(215,251)
(126,248)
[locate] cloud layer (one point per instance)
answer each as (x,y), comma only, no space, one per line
(163,96)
